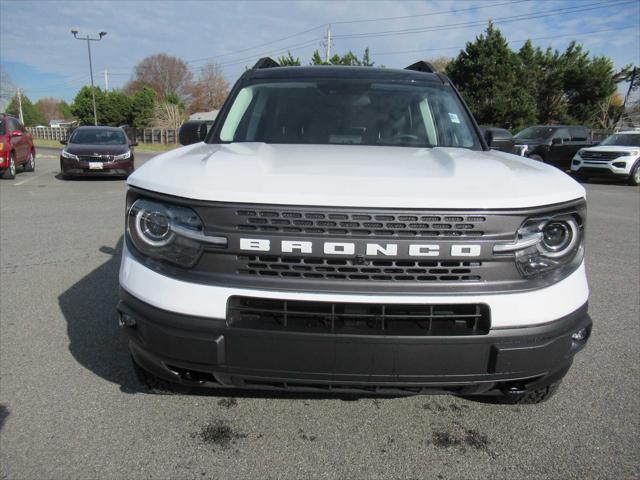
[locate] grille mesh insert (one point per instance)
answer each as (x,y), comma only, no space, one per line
(396,224)
(603,156)
(358,318)
(349,269)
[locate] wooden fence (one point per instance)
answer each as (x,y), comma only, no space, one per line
(161,136)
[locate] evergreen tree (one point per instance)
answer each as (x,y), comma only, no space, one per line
(30,113)
(142,107)
(487,74)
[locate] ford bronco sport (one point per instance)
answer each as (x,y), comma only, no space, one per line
(348,229)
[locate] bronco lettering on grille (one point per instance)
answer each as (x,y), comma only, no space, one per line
(348,248)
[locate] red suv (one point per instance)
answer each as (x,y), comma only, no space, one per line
(16,147)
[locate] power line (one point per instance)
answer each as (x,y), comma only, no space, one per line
(432,14)
(399,52)
(513,18)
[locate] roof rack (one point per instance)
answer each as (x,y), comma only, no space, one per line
(265,62)
(422,66)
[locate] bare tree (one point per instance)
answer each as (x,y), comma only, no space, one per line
(7,89)
(49,108)
(168,115)
(210,90)
(165,74)
(440,63)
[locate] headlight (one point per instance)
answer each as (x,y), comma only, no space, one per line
(1,146)
(123,156)
(168,232)
(633,153)
(580,152)
(68,155)
(548,243)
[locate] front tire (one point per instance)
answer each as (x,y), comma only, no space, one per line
(10,172)
(30,166)
(634,177)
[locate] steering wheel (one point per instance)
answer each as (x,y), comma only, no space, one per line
(405,136)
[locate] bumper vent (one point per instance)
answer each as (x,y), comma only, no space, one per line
(349,269)
(362,224)
(358,318)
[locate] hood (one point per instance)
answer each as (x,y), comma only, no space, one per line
(83,149)
(611,148)
(355,176)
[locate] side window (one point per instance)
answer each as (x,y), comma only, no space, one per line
(578,134)
(12,125)
(563,133)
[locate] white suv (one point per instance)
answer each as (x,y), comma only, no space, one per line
(348,229)
(617,156)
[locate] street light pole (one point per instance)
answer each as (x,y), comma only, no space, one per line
(93,92)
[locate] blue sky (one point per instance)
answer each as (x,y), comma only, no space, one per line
(42,57)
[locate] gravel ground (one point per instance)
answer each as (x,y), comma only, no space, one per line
(70,406)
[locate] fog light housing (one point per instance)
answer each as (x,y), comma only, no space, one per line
(126,320)
(580,335)
(619,164)
(575,162)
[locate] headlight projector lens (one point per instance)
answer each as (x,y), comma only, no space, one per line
(556,236)
(154,227)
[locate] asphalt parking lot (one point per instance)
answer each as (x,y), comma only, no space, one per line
(70,406)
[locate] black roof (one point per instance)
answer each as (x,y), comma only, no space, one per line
(97,127)
(330,71)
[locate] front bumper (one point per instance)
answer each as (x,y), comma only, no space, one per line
(619,168)
(80,168)
(207,352)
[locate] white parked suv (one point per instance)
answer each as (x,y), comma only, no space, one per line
(348,229)
(617,156)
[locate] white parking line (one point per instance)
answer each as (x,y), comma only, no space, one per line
(22,182)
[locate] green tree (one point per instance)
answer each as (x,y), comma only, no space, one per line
(65,110)
(487,74)
(348,58)
(289,61)
(82,107)
(143,104)
(30,113)
(116,109)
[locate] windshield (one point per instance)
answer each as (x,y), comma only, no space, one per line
(98,137)
(347,112)
(623,140)
(536,133)
(1,127)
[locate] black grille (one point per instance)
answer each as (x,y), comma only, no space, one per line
(92,158)
(351,269)
(358,318)
(345,224)
(604,156)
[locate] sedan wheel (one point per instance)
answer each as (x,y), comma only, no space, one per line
(30,166)
(10,172)
(634,178)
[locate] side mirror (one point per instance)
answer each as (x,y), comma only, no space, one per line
(133,144)
(192,132)
(556,141)
(63,142)
(488,137)
(16,133)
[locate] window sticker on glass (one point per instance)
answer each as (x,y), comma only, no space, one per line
(454,118)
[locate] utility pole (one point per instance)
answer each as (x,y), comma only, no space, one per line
(327,54)
(93,90)
(106,80)
(20,106)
